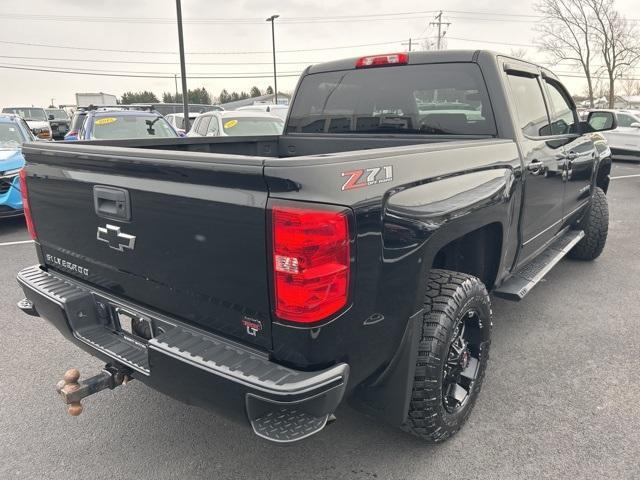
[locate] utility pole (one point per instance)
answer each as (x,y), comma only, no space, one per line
(273,42)
(183,68)
(407,43)
(175,80)
(439,23)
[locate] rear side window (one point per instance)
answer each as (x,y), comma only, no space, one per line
(78,120)
(433,99)
(203,125)
(532,113)
(212,131)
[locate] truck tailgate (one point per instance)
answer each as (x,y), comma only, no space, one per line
(181,232)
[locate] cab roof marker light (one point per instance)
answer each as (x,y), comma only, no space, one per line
(383,60)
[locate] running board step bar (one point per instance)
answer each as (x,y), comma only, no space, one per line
(522,281)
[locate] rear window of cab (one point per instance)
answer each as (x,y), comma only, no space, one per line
(429,99)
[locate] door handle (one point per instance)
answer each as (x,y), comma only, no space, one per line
(535,167)
(572,155)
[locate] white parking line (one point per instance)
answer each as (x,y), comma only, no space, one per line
(6,244)
(625,176)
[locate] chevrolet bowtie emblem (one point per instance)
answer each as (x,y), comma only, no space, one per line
(115,238)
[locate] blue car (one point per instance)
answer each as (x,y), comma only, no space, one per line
(114,124)
(14,131)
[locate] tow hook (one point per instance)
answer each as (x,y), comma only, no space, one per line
(72,391)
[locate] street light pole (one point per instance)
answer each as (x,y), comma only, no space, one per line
(185,92)
(273,42)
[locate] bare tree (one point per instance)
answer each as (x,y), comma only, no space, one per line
(520,53)
(601,89)
(566,34)
(616,40)
(630,86)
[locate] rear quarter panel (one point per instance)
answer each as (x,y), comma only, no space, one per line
(435,193)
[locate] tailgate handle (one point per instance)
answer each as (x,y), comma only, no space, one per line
(112,203)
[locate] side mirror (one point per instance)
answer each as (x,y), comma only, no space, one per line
(635,125)
(602,121)
(51,117)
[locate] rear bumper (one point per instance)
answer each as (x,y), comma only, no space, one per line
(189,364)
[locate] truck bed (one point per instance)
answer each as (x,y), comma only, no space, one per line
(199,218)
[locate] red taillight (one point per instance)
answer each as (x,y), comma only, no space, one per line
(25,204)
(311,263)
(381,60)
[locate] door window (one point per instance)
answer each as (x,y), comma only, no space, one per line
(532,113)
(212,131)
(203,125)
(625,120)
(564,118)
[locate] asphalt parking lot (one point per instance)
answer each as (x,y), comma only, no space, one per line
(561,398)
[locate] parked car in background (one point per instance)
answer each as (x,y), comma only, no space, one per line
(177,121)
(277,110)
(112,124)
(13,133)
(76,124)
(35,117)
(232,123)
(624,137)
(59,121)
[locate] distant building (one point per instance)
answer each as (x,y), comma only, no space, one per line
(630,102)
(283,99)
(601,102)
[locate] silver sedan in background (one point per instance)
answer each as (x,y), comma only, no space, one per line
(230,123)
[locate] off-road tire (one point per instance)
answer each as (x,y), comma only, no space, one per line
(448,298)
(595,224)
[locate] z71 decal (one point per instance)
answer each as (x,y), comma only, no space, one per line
(367,177)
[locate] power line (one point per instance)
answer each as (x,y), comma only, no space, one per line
(529,45)
(210,20)
(145,62)
(135,76)
(31,44)
(140,71)
(407,15)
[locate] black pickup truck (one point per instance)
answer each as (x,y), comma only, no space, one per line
(351,258)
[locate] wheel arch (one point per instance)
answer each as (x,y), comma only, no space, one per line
(477,252)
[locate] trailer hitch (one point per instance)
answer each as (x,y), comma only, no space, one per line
(72,391)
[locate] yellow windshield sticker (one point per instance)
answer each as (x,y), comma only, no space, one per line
(106,120)
(231,124)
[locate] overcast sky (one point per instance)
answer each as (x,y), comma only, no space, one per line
(243,30)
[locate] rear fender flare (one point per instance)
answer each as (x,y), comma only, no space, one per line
(417,222)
